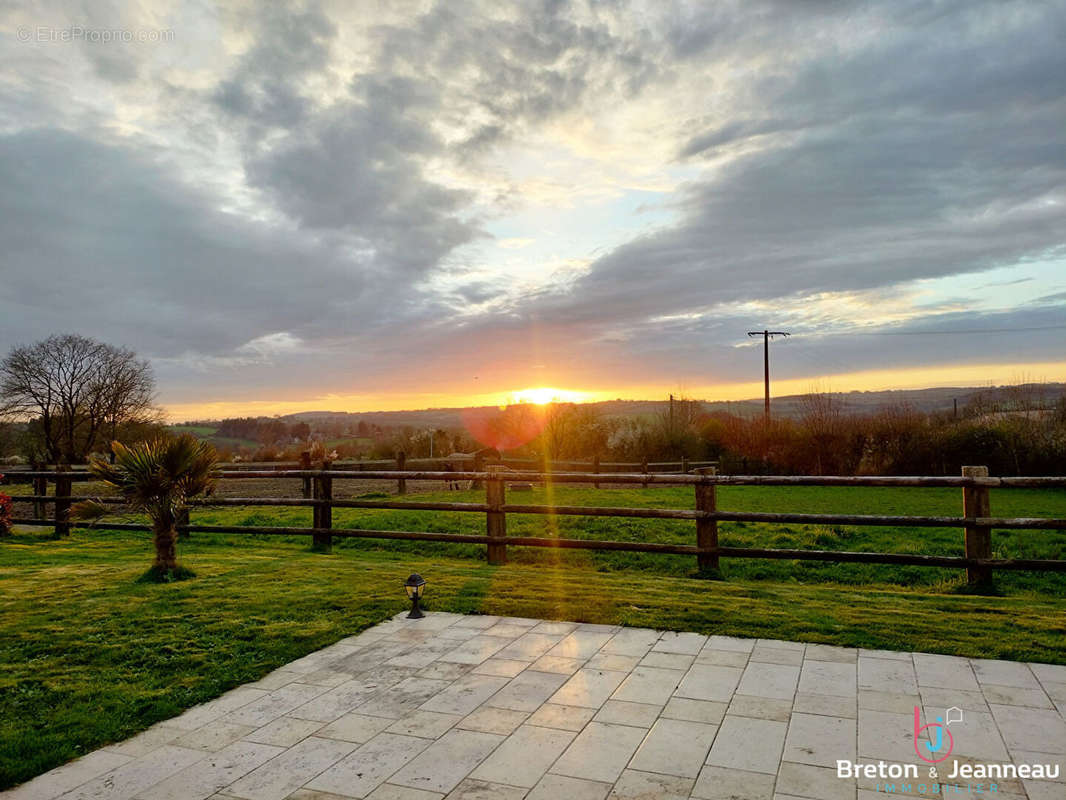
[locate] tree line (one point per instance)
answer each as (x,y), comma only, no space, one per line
(69,396)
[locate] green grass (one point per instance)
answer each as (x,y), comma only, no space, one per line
(89,655)
(860,500)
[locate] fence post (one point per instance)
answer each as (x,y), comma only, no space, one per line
(180,521)
(644,469)
(479,466)
(976,503)
(401,463)
(322,515)
(305,463)
(496,520)
(684,464)
(596,469)
(40,487)
(64,487)
(706,529)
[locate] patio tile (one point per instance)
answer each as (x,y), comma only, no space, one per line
(612,662)
(760,707)
(524,757)
(776,655)
(560,787)
(276,704)
(465,694)
(69,776)
(1012,696)
(769,680)
(828,677)
(687,643)
(554,628)
(353,727)
(501,667)
(471,789)
(562,666)
(528,691)
(879,673)
(580,644)
(648,685)
(137,775)
(636,785)
(388,791)
(530,646)
(588,688)
(945,672)
(825,652)
(695,710)
(427,724)
(476,649)
(674,747)
(631,642)
(722,658)
(830,705)
(567,718)
(358,773)
(820,783)
(492,720)
(708,682)
(600,752)
(204,778)
(620,712)
(1004,673)
(406,696)
(1034,729)
(752,745)
(282,775)
(667,660)
(444,764)
(719,783)
(733,643)
(819,740)
(214,736)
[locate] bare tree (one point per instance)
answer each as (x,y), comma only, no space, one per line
(77,391)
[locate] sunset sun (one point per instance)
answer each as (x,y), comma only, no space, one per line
(542,395)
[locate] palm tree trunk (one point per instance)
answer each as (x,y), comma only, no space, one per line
(166,556)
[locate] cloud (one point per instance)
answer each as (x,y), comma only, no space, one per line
(329,197)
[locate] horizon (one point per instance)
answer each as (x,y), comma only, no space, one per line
(356,206)
(550,396)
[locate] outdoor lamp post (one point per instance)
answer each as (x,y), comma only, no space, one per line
(415,586)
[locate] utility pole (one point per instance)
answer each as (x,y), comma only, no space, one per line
(766,337)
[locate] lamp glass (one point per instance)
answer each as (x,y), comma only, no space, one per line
(415,586)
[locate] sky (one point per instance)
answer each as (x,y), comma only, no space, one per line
(369,205)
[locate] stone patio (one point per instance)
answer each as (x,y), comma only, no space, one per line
(479,707)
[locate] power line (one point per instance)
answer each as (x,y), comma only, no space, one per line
(957,331)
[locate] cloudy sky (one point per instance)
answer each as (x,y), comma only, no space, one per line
(360,205)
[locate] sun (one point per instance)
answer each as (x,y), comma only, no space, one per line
(542,395)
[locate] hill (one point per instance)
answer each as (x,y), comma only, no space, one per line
(924,400)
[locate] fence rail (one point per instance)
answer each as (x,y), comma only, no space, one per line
(976,521)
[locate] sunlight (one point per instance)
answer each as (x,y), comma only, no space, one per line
(542,395)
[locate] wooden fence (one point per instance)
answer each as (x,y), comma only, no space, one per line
(976,521)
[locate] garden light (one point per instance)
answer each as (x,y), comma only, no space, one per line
(415,586)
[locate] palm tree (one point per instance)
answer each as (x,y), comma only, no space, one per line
(156,477)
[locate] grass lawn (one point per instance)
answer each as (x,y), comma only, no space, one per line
(89,656)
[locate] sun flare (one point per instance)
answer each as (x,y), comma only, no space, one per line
(542,395)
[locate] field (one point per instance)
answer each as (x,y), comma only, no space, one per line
(88,655)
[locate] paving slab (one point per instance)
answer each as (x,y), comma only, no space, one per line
(456,707)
